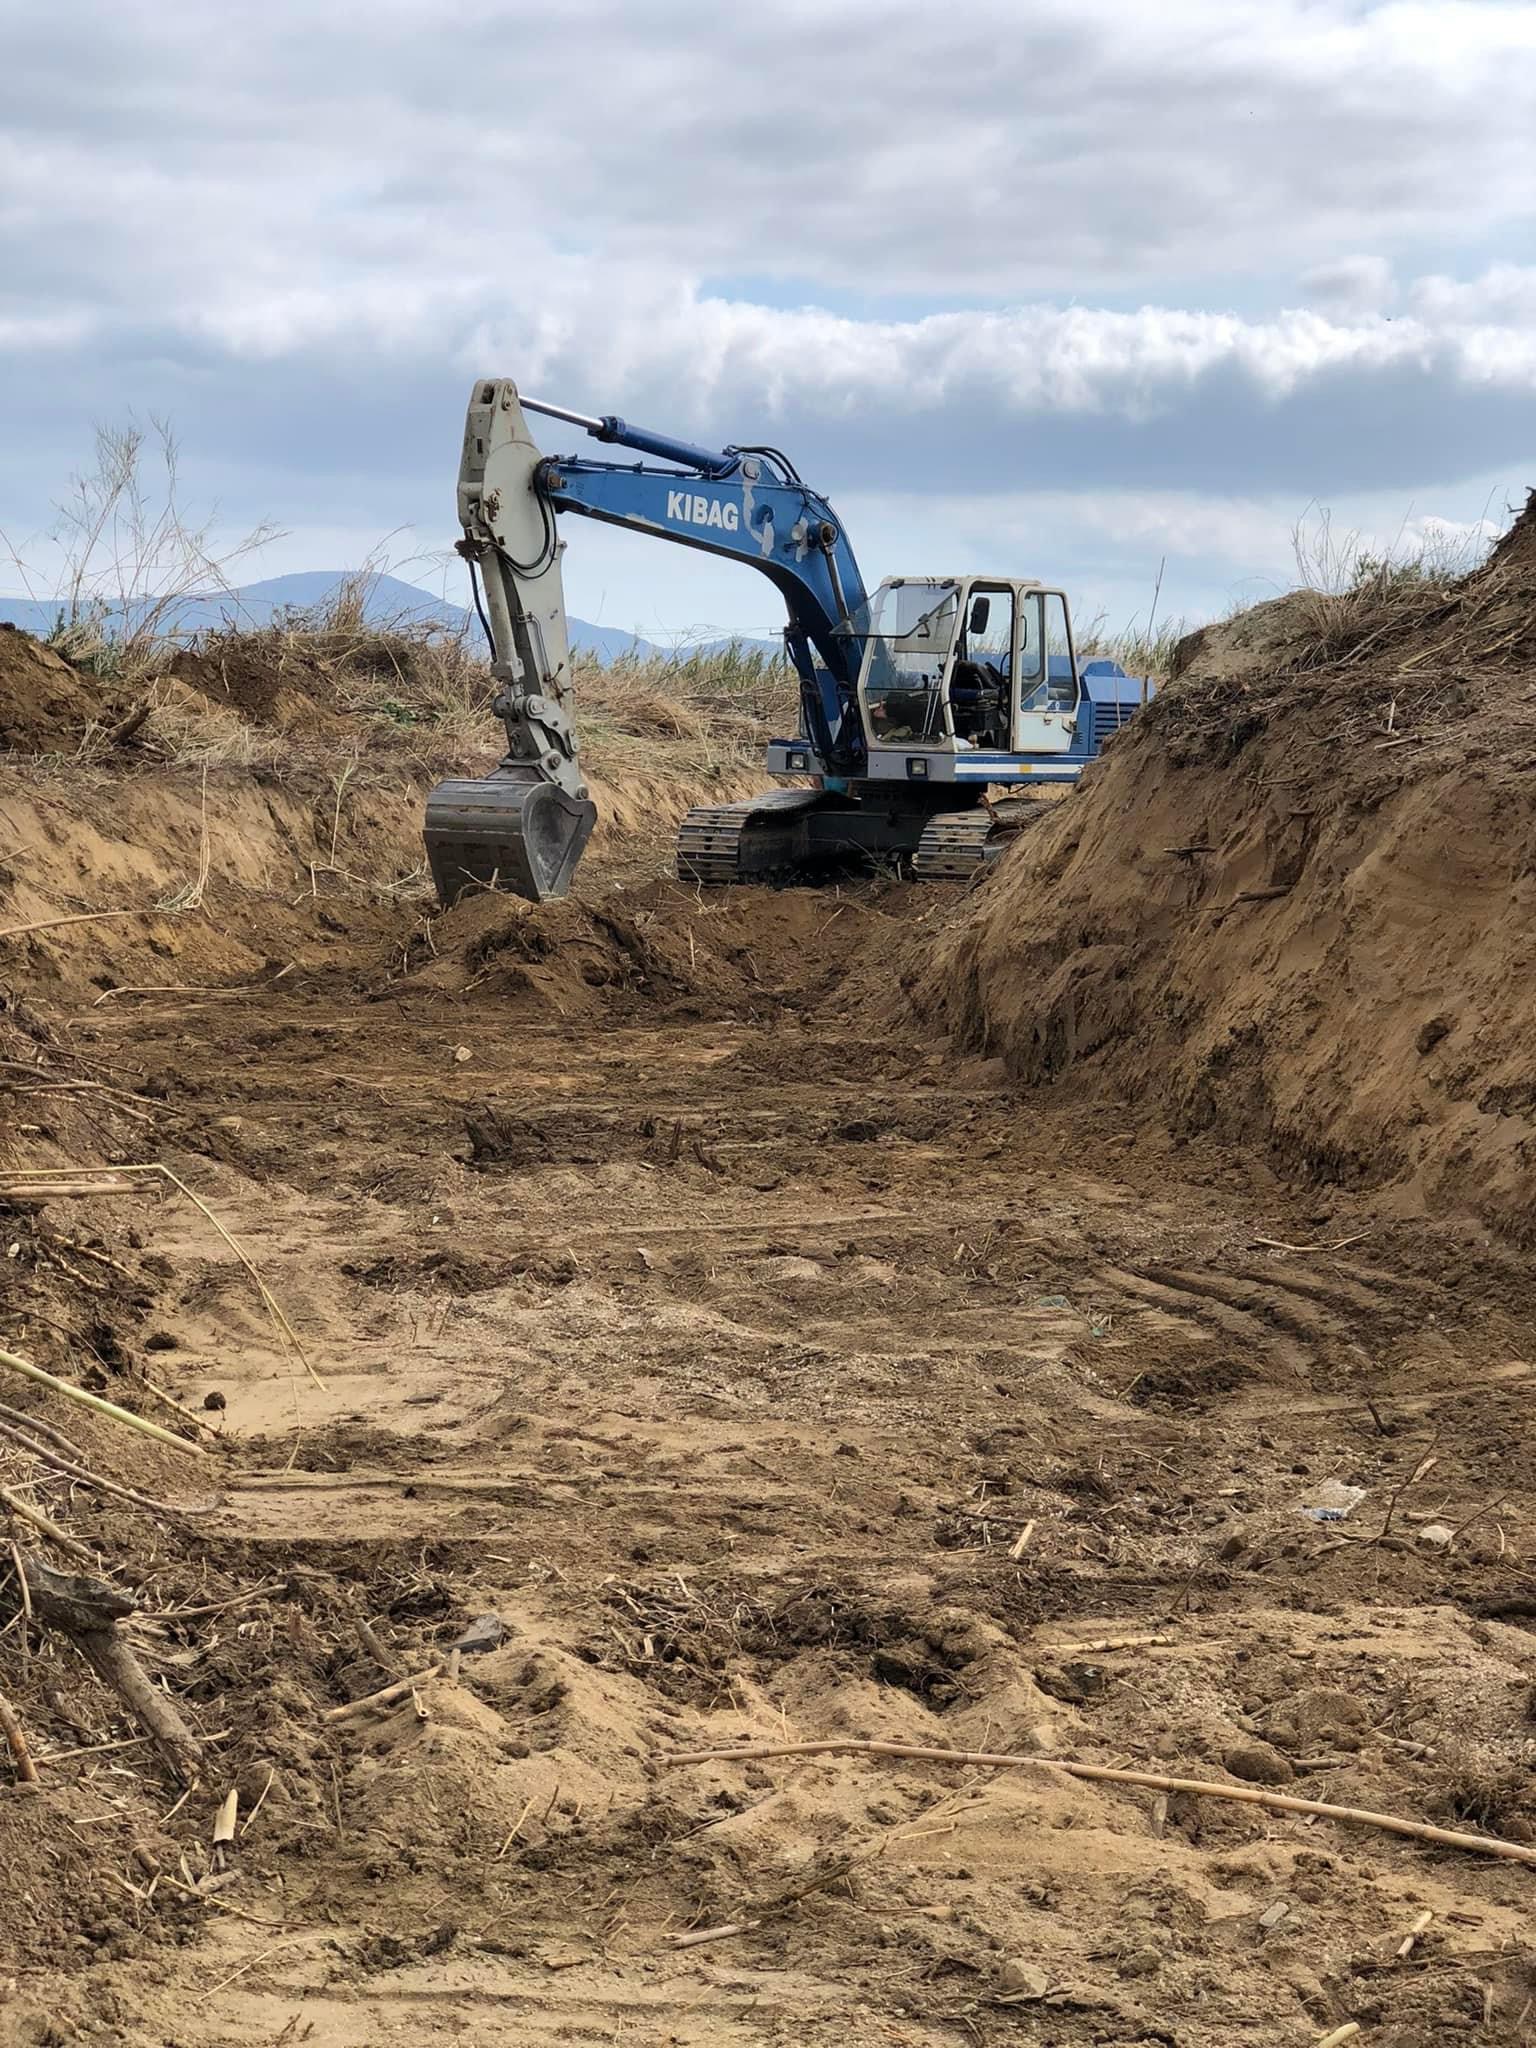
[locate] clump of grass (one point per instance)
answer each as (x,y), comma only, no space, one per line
(188,731)
(713,709)
(1139,650)
(133,559)
(1353,591)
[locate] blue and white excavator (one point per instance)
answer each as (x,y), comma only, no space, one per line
(915,700)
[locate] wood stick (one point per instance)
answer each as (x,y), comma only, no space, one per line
(1420,1926)
(170,1401)
(1277,1244)
(1348,2032)
(1277,1802)
(1000,1516)
(20,1569)
(228,1814)
(1106,1643)
(85,1612)
(16,1742)
(190,1891)
(270,1301)
(65,1756)
(1021,1542)
(87,1251)
(28,1187)
(389,1665)
(702,1934)
(164,988)
(387,1695)
(45,1430)
(46,924)
(74,1393)
(25,1512)
(120,1098)
(113,1662)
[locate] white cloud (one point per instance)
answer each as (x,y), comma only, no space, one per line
(1048,253)
(978,149)
(1504,295)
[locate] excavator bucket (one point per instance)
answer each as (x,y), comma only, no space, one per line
(506,831)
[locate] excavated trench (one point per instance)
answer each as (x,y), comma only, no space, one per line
(718,1349)
(684,1302)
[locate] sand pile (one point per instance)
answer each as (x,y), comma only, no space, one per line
(1293,905)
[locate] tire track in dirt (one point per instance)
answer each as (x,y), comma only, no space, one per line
(743,1439)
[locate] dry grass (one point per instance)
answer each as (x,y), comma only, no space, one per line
(1353,592)
(184,728)
(712,711)
(332,686)
(132,558)
(1139,650)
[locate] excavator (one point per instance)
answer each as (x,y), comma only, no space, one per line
(916,699)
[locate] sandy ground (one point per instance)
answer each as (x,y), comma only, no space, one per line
(683,1301)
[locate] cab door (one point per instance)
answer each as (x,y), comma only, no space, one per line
(1048,692)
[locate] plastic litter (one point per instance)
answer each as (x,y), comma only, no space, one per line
(1333,1501)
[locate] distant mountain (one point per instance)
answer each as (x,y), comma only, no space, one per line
(389,599)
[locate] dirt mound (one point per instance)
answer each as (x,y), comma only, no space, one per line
(265,683)
(750,953)
(1277,634)
(1388,613)
(45,705)
(1293,908)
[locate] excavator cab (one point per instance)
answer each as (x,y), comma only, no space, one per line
(968,664)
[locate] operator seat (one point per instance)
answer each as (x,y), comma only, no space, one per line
(977,698)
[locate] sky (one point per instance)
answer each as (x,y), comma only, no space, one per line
(1083,290)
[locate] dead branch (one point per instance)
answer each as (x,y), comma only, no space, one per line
(1106,1643)
(1420,1926)
(158,1393)
(1278,1802)
(700,1935)
(45,1430)
(270,1302)
(16,1742)
(31,1186)
(87,1612)
(387,1695)
(73,1393)
(366,1635)
(44,1525)
(126,728)
(86,1477)
(44,924)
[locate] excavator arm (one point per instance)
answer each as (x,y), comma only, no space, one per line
(524,827)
